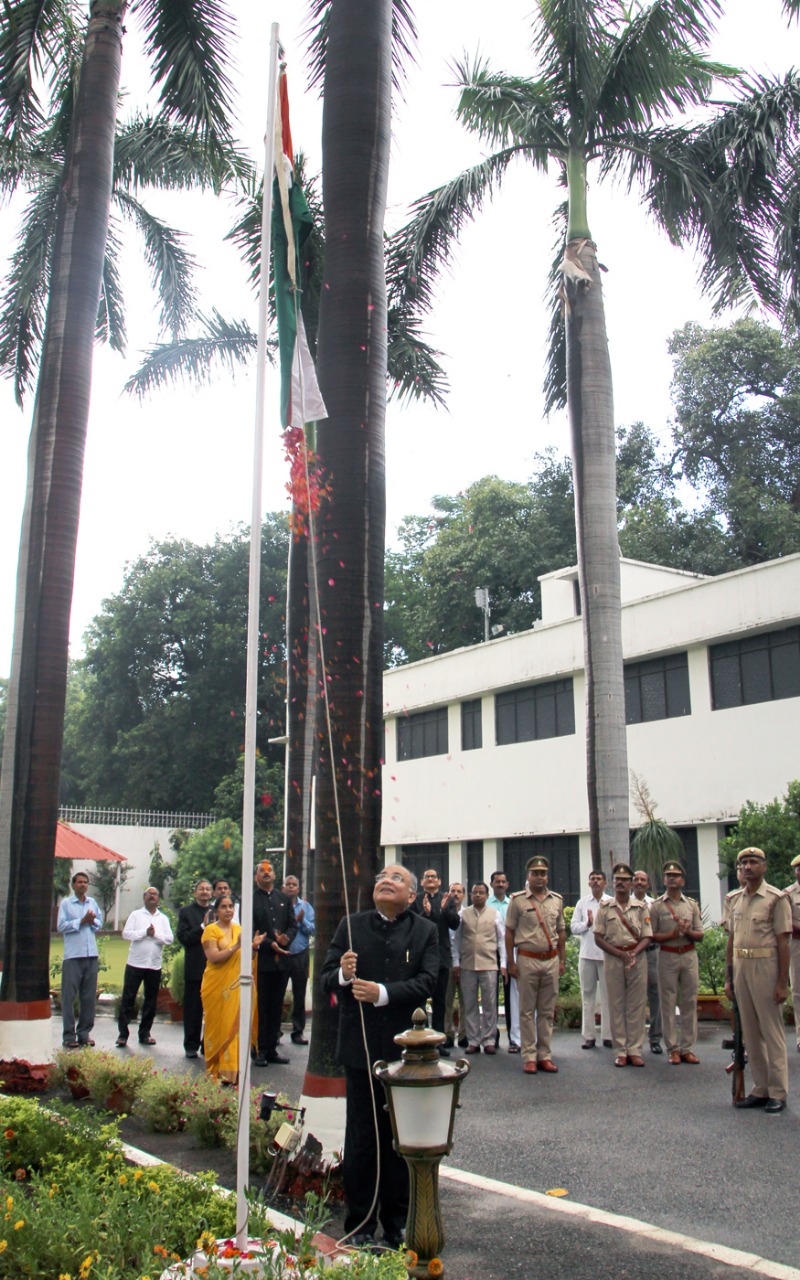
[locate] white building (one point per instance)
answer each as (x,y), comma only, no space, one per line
(485,746)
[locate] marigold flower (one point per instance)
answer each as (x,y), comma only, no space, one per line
(411,1258)
(435,1267)
(122,1180)
(9,1202)
(138,1174)
(160,1251)
(3,1246)
(20,1175)
(9,1134)
(85,1267)
(19,1224)
(153,1186)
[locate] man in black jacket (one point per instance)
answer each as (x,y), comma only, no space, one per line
(273,915)
(440,910)
(192,920)
(389,970)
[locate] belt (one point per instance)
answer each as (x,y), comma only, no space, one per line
(678,951)
(630,947)
(754,953)
(537,955)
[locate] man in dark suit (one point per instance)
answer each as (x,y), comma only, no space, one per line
(273,915)
(440,910)
(192,920)
(386,964)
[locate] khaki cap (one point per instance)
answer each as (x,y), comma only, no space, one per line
(622,869)
(537,863)
(795,862)
(752,852)
(673,866)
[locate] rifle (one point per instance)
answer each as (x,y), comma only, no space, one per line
(735,1067)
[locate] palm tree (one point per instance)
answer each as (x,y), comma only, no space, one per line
(609,78)
(186,44)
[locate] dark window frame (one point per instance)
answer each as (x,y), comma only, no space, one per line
(535,713)
(422,734)
(753,669)
(472,724)
(657,689)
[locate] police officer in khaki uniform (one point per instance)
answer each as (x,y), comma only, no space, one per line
(623,931)
(758,968)
(676,924)
(793,894)
(535,928)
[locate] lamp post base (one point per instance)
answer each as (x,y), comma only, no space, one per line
(424,1229)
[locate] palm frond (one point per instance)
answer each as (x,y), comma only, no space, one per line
(404,39)
(223,345)
(505,109)
(413,369)
(555,370)
(156,152)
(28,41)
(110,325)
(652,68)
(171,266)
(424,246)
(570,39)
(188,44)
(24,301)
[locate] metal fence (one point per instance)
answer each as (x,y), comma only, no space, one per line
(134,817)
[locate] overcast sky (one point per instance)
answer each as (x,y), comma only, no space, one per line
(180,463)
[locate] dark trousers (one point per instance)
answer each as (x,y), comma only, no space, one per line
(271,987)
(298,976)
(130,989)
(192,1015)
(79,978)
(439,1000)
(359,1163)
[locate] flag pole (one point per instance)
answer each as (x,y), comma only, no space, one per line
(251,710)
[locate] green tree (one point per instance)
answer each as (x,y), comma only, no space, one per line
(736,392)
(229,801)
(609,78)
(159,873)
(214,853)
(159,714)
(185,43)
(654,842)
(104,884)
(773,827)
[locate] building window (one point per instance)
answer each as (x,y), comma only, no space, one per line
(419,858)
(657,689)
(538,711)
(474,866)
(561,852)
(471,725)
(756,669)
(422,734)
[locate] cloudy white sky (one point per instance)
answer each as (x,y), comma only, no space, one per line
(180,463)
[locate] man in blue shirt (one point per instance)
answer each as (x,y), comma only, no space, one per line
(298,956)
(79,920)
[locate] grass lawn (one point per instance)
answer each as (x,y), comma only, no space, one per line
(113,952)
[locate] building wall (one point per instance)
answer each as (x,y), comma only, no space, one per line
(700,768)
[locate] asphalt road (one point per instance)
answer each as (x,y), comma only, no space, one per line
(662,1145)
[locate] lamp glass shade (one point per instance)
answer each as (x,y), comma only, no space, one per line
(423,1115)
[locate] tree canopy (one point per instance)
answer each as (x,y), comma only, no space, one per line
(156,716)
(773,827)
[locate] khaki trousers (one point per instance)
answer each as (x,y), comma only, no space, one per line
(794,978)
(627,1003)
(537,984)
(762,1025)
(678,981)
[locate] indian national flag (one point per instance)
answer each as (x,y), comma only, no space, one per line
(301,401)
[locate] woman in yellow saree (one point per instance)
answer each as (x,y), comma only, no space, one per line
(222,943)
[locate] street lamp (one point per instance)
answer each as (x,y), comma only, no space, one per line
(422,1093)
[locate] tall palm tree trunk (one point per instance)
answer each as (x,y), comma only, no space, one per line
(301,699)
(350,550)
(591,415)
(30,780)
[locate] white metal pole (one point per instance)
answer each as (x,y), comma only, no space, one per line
(116,897)
(251,711)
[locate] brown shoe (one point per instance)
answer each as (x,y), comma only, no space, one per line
(530,1068)
(690,1058)
(635,1061)
(489,1048)
(548,1066)
(674,1058)
(621,1061)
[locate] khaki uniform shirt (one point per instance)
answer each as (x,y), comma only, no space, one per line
(793,894)
(757,918)
(522,919)
(662,919)
(726,910)
(609,926)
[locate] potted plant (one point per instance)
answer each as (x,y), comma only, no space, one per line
(68,1072)
(113,1080)
(177,986)
(711,958)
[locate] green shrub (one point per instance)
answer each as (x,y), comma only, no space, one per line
(177,977)
(711,959)
(35,1134)
(570,982)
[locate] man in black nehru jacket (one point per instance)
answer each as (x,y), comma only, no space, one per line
(390,970)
